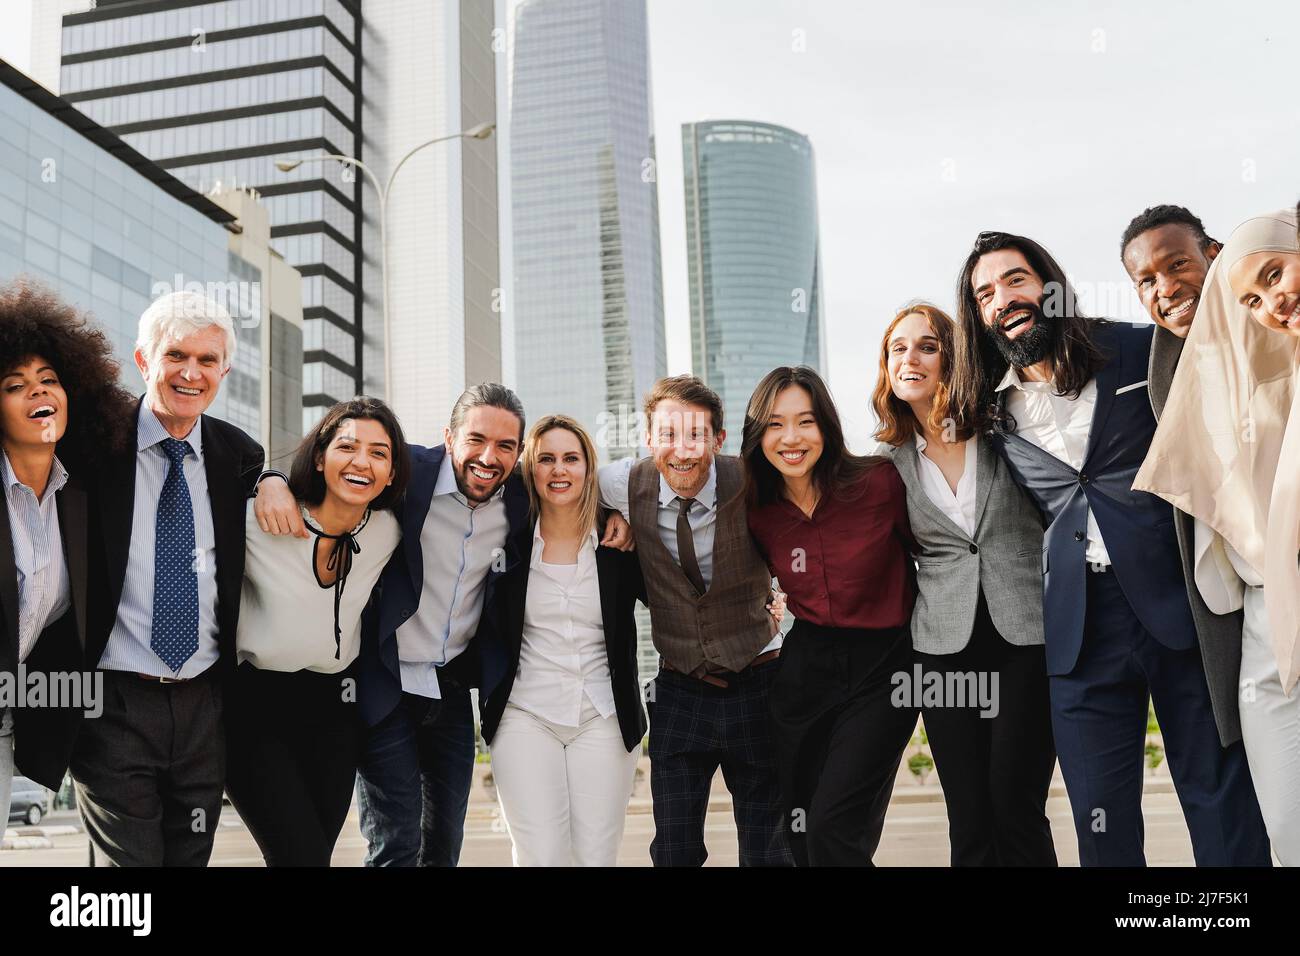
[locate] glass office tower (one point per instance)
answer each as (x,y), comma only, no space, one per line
(215,92)
(753,261)
(588,306)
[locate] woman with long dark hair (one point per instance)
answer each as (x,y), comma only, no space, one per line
(979,605)
(292,729)
(833,529)
(61,412)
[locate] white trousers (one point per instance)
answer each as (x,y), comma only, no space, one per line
(1270,730)
(6,765)
(563,790)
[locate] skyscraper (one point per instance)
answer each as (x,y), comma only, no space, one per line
(588,307)
(215,92)
(753,260)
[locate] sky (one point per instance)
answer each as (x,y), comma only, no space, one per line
(932,121)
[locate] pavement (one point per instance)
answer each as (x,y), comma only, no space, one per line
(916,831)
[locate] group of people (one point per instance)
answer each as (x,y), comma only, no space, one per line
(1059,510)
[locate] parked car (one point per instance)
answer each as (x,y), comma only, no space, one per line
(28,802)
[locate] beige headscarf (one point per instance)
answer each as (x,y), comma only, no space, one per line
(1227,449)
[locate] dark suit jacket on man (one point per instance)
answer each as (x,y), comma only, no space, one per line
(43,736)
(621,586)
(232,462)
(397,597)
(1219,634)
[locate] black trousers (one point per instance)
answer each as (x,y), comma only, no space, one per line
(995,770)
(148,771)
(839,738)
(294,741)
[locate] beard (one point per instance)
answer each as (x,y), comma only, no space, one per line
(1028,348)
(463,477)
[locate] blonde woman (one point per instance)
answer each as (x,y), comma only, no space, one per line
(565,723)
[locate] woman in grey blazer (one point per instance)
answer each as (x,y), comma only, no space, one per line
(977,628)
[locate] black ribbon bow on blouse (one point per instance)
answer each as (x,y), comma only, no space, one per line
(340,562)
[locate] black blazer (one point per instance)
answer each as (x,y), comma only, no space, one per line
(621,586)
(43,736)
(232,462)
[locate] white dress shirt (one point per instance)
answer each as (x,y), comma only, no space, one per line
(44,591)
(459,544)
(702,516)
(562,658)
(1059,425)
(958,506)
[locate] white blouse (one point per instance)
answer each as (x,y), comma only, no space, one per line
(562,657)
(287,617)
(959,506)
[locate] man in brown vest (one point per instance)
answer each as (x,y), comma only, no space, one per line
(707,589)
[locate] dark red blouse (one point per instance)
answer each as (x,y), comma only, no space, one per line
(850,564)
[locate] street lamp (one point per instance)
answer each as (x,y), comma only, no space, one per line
(480,131)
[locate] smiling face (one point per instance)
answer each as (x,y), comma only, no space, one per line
(33,405)
(683,443)
(915,360)
(484,450)
(182,379)
(357,464)
(1168,265)
(560,472)
(1268,283)
(792,442)
(1010,294)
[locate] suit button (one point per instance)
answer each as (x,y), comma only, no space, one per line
(1078,536)
(1084,479)
(974,549)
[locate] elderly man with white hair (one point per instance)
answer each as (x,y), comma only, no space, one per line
(149,771)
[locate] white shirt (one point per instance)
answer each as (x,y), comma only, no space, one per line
(44,590)
(1059,425)
(459,544)
(562,658)
(959,506)
(1221,574)
(286,616)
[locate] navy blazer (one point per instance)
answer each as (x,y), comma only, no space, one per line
(397,595)
(1138,527)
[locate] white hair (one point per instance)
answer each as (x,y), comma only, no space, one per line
(178,314)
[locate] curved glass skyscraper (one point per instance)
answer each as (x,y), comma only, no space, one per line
(754,264)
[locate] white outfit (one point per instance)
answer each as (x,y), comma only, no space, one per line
(958,506)
(1059,425)
(286,617)
(561,768)
(1270,720)
(6,764)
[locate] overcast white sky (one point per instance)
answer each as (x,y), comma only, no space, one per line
(934,120)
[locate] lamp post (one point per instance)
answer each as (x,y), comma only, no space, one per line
(481,131)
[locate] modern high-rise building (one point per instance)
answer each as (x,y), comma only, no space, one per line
(84,214)
(430,71)
(753,260)
(587,301)
(215,91)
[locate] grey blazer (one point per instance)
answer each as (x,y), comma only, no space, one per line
(1004,558)
(1218,634)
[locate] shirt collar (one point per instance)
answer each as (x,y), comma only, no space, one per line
(58,476)
(1012,378)
(589,545)
(921,443)
(150,431)
(708,495)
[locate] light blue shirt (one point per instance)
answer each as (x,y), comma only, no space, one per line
(128,645)
(459,545)
(44,592)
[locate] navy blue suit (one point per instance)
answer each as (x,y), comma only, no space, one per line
(418,759)
(1117,637)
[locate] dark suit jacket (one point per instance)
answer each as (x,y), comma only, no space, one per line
(1138,527)
(1219,634)
(397,596)
(621,586)
(232,462)
(43,736)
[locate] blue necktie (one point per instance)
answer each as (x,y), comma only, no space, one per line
(175,635)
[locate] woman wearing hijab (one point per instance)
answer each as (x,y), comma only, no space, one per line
(293,734)
(1227,451)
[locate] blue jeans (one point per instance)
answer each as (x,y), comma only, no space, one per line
(413,782)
